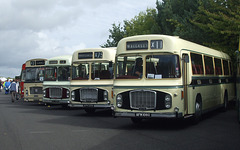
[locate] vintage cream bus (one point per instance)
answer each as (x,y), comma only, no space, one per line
(159,76)
(56,85)
(92,78)
(34,78)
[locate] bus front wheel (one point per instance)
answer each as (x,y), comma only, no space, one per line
(198,112)
(225,103)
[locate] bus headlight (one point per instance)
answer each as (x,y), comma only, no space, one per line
(26,92)
(44,93)
(68,93)
(168,101)
(73,95)
(119,100)
(105,95)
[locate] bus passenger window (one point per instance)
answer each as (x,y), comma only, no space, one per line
(127,68)
(80,71)
(230,65)
(162,66)
(218,66)
(225,67)
(208,65)
(137,68)
(197,63)
(102,71)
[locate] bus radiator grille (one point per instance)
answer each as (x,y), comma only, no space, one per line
(143,99)
(89,95)
(36,90)
(55,92)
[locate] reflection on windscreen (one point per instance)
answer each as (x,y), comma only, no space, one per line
(80,71)
(157,67)
(99,71)
(34,74)
(129,67)
(50,73)
(63,73)
(102,71)
(162,66)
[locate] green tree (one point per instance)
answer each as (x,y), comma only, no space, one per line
(116,34)
(220,19)
(144,23)
(213,23)
(174,18)
(165,17)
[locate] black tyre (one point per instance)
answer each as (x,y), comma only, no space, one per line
(198,112)
(225,103)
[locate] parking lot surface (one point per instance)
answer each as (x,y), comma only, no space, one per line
(34,126)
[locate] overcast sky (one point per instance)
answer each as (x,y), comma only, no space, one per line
(48,28)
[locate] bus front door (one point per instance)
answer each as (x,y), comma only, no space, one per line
(185,75)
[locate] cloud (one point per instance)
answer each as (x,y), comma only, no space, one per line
(50,47)
(14,45)
(37,15)
(10,71)
(48,28)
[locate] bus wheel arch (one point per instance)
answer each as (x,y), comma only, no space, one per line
(198,109)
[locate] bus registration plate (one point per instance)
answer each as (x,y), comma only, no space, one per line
(88,105)
(143,115)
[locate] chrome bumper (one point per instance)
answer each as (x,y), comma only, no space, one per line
(147,115)
(56,101)
(90,105)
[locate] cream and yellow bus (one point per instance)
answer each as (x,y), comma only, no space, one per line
(56,85)
(92,78)
(34,78)
(159,76)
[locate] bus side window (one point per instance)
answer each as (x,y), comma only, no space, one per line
(208,65)
(230,65)
(225,67)
(218,66)
(197,63)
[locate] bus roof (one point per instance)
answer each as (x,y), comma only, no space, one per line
(64,60)
(94,54)
(162,43)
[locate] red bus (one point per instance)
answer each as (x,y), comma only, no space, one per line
(22,79)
